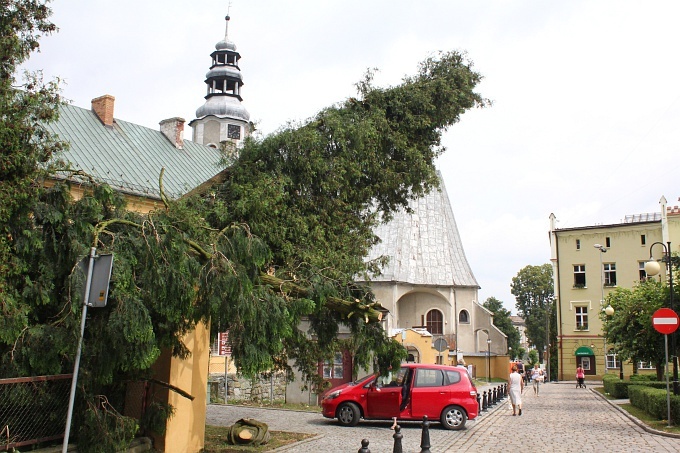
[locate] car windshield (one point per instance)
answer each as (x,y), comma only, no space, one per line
(362,380)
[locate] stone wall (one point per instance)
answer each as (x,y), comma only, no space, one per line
(243,389)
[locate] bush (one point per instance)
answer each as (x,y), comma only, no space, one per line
(643,377)
(653,401)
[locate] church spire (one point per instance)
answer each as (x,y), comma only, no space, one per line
(222,117)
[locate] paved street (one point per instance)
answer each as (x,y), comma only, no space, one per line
(562,419)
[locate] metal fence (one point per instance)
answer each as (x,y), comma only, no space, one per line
(33,409)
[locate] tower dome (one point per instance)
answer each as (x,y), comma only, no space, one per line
(222,117)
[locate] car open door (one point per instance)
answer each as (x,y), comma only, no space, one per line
(383,402)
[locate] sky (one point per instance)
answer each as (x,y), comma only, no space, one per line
(585,121)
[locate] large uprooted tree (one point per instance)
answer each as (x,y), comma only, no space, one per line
(279,240)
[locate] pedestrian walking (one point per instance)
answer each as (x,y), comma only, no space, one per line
(536,378)
(580,377)
(516,386)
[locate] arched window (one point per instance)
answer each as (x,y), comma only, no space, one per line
(464,317)
(435,322)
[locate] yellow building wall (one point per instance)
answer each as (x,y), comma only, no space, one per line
(627,251)
(185,431)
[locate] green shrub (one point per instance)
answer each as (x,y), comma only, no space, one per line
(643,377)
(653,400)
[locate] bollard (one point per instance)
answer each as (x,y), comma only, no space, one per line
(502,393)
(505,389)
(425,438)
(479,403)
(485,402)
(364,447)
(397,439)
(493,397)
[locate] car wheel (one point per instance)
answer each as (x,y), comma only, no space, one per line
(348,414)
(453,417)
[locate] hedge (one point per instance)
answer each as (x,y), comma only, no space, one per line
(654,401)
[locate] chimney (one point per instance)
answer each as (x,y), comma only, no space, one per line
(103,108)
(173,128)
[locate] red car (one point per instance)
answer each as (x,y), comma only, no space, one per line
(441,392)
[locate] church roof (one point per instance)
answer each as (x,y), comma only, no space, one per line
(424,247)
(129,157)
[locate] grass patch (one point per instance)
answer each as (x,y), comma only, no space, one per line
(277,405)
(215,441)
(660,425)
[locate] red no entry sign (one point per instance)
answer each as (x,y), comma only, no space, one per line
(665,321)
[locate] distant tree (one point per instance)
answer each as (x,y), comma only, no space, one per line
(629,330)
(533,357)
(535,300)
(501,319)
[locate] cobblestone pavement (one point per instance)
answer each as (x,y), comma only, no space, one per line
(560,419)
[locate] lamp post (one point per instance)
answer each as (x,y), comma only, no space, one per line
(609,311)
(652,268)
(602,250)
(488,358)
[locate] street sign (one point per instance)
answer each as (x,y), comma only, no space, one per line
(665,321)
(440,344)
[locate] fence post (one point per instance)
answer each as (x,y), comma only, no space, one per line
(425,437)
(397,439)
(485,402)
(479,403)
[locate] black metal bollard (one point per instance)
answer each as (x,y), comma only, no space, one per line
(479,402)
(485,402)
(493,397)
(505,389)
(364,447)
(397,439)
(500,393)
(425,438)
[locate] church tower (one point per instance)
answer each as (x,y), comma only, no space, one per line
(222,118)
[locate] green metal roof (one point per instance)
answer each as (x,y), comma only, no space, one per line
(129,157)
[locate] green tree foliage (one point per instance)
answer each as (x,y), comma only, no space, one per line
(535,302)
(275,246)
(501,319)
(629,330)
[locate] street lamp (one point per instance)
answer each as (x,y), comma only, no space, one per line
(652,267)
(602,250)
(488,358)
(609,311)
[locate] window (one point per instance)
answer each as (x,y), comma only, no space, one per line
(581,318)
(429,378)
(435,322)
(643,239)
(646,366)
(641,270)
(607,242)
(333,369)
(578,244)
(609,274)
(579,276)
(453,377)
(464,317)
(612,360)
(234,131)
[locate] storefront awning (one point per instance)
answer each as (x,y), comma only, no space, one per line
(583,351)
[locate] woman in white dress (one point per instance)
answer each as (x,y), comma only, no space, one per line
(515,387)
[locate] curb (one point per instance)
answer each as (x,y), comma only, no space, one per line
(634,419)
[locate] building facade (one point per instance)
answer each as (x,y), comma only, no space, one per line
(588,262)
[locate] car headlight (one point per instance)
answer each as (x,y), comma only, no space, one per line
(333,395)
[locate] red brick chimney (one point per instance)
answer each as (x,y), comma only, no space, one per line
(103,108)
(173,128)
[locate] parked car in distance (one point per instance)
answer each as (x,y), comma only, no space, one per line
(441,392)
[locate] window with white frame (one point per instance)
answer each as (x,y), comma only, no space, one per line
(645,365)
(579,275)
(581,317)
(609,274)
(641,270)
(612,360)
(333,369)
